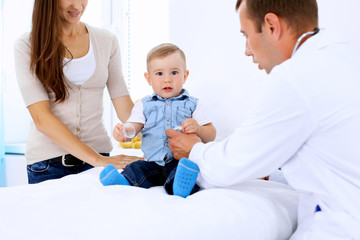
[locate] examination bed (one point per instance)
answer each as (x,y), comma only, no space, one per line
(79,207)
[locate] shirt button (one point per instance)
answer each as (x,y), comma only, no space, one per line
(78,129)
(167,122)
(167,102)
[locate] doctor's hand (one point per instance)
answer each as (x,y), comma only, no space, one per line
(180,143)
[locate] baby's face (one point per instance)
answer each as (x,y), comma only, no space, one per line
(167,75)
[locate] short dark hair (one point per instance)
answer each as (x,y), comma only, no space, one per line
(299,14)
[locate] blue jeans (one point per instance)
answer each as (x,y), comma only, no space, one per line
(49,169)
(148,174)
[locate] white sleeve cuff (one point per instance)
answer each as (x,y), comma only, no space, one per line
(196,156)
(196,152)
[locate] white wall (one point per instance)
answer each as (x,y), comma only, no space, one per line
(209,33)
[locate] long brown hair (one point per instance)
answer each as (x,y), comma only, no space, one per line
(299,14)
(47,49)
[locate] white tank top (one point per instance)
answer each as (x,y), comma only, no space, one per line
(78,70)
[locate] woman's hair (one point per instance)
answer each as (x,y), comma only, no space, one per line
(47,49)
(164,50)
(299,14)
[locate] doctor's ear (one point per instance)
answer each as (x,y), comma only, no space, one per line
(272,25)
(147,77)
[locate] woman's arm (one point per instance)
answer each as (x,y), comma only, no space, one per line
(48,124)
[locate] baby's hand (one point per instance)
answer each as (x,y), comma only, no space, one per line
(117,133)
(190,125)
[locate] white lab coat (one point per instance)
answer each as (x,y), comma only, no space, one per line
(304,118)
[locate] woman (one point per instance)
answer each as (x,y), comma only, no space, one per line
(62,68)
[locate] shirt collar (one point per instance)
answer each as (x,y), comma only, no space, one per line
(183,94)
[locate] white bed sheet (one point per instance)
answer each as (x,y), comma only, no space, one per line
(79,207)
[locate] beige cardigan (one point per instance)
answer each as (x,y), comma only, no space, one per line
(82,111)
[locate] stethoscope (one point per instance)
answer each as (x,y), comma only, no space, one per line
(314,32)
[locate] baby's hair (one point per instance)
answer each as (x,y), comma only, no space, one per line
(164,50)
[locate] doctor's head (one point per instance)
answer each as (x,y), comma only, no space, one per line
(166,70)
(272,27)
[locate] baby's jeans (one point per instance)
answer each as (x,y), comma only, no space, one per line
(148,174)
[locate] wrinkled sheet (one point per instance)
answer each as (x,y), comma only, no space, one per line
(79,207)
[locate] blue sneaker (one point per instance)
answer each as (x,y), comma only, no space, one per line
(110,176)
(185,177)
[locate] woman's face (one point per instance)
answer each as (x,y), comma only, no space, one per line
(72,10)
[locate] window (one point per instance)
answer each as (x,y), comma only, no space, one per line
(147,25)
(139,26)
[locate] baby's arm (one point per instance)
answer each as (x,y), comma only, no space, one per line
(136,119)
(206,133)
(117,132)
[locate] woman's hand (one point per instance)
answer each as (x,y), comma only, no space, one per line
(119,161)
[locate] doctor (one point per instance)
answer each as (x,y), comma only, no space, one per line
(305,119)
